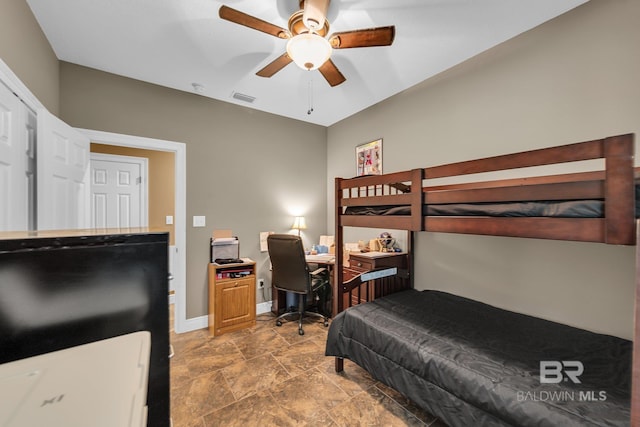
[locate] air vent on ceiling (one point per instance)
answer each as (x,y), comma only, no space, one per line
(244,98)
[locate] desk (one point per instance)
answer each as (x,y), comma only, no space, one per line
(321,259)
(279,303)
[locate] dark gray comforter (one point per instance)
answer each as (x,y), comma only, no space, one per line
(472,364)
(557,209)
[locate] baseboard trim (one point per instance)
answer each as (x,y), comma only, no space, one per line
(202,322)
(195,323)
(263,307)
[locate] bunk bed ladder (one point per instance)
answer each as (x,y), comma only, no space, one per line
(338,276)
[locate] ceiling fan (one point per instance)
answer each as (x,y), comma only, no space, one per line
(307,45)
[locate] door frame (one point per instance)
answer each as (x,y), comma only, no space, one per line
(13,82)
(180,239)
(144,171)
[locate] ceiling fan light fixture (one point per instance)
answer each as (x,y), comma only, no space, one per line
(308,50)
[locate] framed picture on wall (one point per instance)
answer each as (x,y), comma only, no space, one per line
(369,158)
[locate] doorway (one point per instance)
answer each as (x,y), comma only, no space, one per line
(178,284)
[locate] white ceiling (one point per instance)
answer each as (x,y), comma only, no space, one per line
(176,43)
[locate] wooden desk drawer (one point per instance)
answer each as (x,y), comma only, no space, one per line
(360,264)
(365,263)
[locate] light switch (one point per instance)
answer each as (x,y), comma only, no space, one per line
(199,221)
(169,220)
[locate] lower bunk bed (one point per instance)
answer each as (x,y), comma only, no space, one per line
(471,364)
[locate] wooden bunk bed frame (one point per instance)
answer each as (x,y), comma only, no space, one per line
(615,185)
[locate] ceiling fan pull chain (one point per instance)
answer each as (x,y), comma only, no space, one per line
(310,110)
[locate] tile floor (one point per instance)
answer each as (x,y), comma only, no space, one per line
(271,376)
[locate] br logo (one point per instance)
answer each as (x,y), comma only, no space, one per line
(555,371)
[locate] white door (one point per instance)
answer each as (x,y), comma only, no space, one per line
(14,151)
(62,175)
(118,191)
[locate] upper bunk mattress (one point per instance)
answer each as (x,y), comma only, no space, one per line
(556,209)
(490,358)
(588,208)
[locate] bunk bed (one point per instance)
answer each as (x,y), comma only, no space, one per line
(461,359)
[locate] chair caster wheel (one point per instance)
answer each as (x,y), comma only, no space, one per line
(278,323)
(300,332)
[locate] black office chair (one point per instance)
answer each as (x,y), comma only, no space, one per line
(291,273)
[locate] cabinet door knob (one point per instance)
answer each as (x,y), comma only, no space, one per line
(359,264)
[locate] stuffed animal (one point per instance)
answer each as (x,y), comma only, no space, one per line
(388,243)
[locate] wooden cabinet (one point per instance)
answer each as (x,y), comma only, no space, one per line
(361,262)
(232,296)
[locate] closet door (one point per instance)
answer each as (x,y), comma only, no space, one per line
(63,170)
(14,189)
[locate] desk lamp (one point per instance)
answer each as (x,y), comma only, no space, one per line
(299,224)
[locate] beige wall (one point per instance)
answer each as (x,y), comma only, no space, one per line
(246,171)
(162,187)
(572,79)
(24,48)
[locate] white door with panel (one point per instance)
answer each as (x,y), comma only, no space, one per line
(17,163)
(62,175)
(118,191)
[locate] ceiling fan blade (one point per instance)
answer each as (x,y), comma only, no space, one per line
(331,73)
(275,66)
(242,18)
(381,36)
